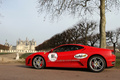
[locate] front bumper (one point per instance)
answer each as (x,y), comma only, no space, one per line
(28,61)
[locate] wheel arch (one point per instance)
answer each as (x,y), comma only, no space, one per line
(96,55)
(38,55)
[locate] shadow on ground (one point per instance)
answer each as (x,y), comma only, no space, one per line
(56,68)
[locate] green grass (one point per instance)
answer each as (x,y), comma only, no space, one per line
(4,53)
(25,55)
(117,65)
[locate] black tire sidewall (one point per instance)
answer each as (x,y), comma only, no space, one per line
(43,66)
(90,64)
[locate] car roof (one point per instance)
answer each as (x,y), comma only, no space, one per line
(82,46)
(75,44)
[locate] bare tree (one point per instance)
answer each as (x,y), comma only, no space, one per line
(74,34)
(92,40)
(87,29)
(113,37)
(109,37)
(80,8)
(80,33)
(2,47)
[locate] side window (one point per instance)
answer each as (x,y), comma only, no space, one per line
(78,47)
(62,49)
(59,49)
(74,47)
(67,48)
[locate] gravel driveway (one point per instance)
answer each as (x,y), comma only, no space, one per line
(21,72)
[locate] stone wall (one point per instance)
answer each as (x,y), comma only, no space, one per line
(19,51)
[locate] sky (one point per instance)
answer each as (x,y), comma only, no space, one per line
(20,19)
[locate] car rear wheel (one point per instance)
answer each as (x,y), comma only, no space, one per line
(38,62)
(96,64)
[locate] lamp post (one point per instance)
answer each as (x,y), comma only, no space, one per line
(114,47)
(114,43)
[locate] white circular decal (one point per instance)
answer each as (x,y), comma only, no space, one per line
(52,56)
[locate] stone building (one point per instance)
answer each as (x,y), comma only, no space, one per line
(6,43)
(25,45)
(22,46)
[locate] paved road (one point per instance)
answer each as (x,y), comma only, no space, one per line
(21,72)
(6,58)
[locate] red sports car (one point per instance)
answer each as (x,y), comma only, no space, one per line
(73,56)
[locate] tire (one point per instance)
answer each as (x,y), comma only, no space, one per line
(38,62)
(96,64)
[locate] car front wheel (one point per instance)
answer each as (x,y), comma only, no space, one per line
(96,64)
(38,62)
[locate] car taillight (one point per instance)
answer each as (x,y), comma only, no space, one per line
(113,52)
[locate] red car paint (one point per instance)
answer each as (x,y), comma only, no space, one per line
(67,58)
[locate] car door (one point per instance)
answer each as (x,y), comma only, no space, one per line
(79,54)
(60,57)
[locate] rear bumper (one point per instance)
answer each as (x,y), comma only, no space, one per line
(111,61)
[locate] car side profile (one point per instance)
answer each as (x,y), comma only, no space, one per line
(73,56)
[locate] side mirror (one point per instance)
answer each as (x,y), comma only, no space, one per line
(51,51)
